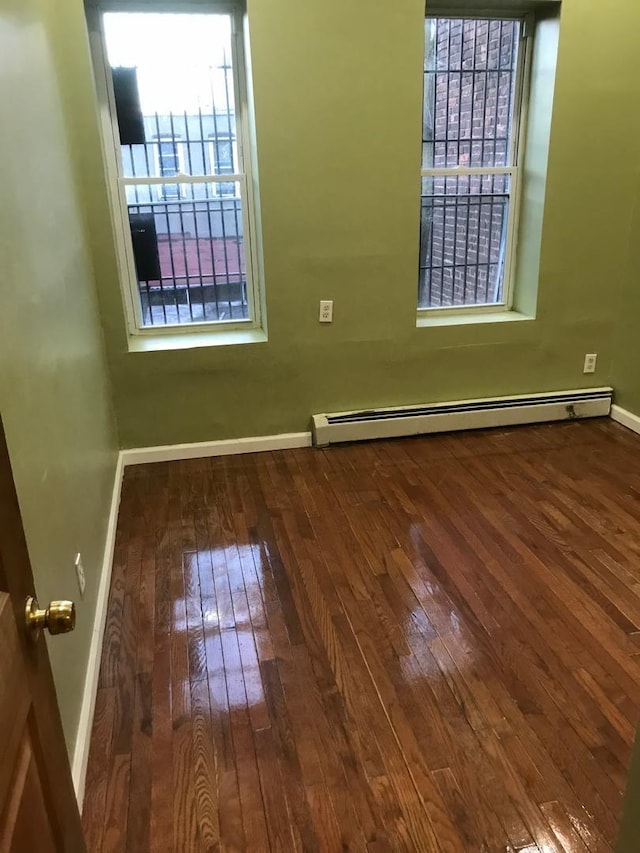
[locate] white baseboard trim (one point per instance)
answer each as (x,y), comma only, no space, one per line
(225,447)
(626,418)
(83,735)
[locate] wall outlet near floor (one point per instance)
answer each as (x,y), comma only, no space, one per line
(80,574)
(326,311)
(590,360)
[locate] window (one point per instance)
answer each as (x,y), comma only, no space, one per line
(222,155)
(169,165)
(181,190)
(473,88)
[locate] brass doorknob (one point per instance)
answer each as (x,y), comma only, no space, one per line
(58,618)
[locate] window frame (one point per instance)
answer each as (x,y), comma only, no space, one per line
(514,171)
(117,183)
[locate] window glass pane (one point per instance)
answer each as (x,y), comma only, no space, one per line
(181,80)
(222,159)
(189,253)
(463,234)
(469,91)
(222,150)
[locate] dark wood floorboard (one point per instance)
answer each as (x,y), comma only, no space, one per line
(428,644)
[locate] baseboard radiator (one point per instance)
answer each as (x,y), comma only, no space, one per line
(466,414)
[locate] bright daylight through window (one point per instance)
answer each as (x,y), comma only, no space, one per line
(182,185)
(473,84)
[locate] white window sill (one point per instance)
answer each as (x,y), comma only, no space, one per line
(429,318)
(193,340)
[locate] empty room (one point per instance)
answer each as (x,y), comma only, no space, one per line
(320,426)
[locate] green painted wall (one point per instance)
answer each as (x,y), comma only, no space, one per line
(338,112)
(54,394)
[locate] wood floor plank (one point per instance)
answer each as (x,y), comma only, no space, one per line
(562,827)
(430,644)
(185,829)
(139,813)
(98,775)
(161,757)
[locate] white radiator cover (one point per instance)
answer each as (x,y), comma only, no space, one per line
(460,415)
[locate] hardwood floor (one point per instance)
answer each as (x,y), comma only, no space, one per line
(424,644)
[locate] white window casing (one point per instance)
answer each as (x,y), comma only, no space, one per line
(118,183)
(512,170)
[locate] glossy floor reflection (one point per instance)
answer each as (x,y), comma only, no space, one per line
(424,644)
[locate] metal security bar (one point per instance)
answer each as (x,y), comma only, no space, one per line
(182,184)
(472,83)
(200,275)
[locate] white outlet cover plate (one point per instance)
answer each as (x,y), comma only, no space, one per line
(326,311)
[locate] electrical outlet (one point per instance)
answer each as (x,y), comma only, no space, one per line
(80,574)
(590,360)
(326,311)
